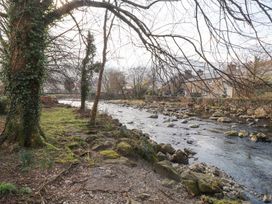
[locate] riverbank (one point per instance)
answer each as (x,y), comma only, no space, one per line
(251,114)
(106,164)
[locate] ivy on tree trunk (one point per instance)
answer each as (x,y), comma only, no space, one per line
(24,68)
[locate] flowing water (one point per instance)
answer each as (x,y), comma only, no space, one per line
(249,163)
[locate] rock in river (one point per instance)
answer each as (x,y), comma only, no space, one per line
(184,121)
(171,125)
(259,137)
(231,133)
(194,126)
(155,116)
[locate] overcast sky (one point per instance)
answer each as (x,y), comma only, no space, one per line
(126,50)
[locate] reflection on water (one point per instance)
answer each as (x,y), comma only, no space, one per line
(247,162)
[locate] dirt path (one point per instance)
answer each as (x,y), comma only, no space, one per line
(70,171)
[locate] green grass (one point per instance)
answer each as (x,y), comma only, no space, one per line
(7,188)
(62,128)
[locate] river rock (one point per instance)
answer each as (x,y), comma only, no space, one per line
(267,198)
(243,133)
(250,111)
(231,133)
(260,113)
(184,121)
(189,151)
(218,114)
(166,169)
(171,125)
(180,157)
(224,120)
(194,126)
(167,148)
(259,137)
(155,116)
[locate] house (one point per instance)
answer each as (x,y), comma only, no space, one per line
(202,84)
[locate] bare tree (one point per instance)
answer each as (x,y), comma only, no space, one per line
(24,32)
(106,34)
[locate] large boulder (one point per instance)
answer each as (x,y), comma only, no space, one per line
(200,183)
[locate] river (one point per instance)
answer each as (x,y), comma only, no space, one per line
(249,163)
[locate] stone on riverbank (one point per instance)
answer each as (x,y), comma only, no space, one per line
(180,157)
(218,114)
(199,183)
(124,148)
(260,113)
(161,156)
(166,169)
(167,149)
(224,120)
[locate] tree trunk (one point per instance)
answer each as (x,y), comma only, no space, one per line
(98,93)
(101,71)
(83,87)
(24,67)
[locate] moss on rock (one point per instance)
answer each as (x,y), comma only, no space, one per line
(124,148)
(109,154)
